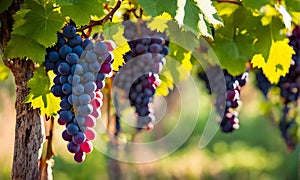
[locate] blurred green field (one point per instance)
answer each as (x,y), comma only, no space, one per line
(255,151)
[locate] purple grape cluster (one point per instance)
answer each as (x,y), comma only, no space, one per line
(81,66)
(230,95)
(140,76)
(289,86)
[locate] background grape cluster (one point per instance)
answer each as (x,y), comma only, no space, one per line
(289,86)
(81,66)
(228,99)
(140,76)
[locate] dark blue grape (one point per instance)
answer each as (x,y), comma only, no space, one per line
(69,31)
(72,129)
(78,50)
(64,68)
(75,41)
(53,56)
(64,51)
(57,90)
(66,136)
(73,148)
(72,58)
(64,104)
(67,88)
(65,115)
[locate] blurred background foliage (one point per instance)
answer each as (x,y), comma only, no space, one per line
(255,151)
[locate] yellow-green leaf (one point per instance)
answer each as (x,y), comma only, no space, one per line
(40,95)
(121,48)
(278,62)
(159,23)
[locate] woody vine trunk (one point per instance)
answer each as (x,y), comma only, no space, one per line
(28,130)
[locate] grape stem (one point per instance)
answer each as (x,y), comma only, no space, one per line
(102,21)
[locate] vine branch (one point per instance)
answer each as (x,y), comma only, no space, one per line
(102,21)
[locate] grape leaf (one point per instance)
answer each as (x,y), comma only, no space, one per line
(47,103)
(255,4)
(39,21)
(278,62)
(157,7)
(23,46)
(81,11)
(186,40)
(266,34)
(4,4)
(293,5)
(159,23)
(115,32)
(233,44)
(39,83)
(40,95)
(230,55)
(194,16)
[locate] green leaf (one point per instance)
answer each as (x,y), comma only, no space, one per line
(39,21)
(191,19)
(81,11)
(186,40)
(157,7)
(23,46)
(195,16)
(40,95)
(4,4)
(39,84)
(293,5)
(229,56)
(266,35)
(254,4)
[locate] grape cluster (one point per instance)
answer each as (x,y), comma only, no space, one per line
(289,86)
(231,97)
(140,76)
(81,66)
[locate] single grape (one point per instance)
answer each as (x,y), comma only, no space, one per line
(64,104)
(75,41)
(90,87)
(88,77)
(73,148)
(94,67)
(86,147)
(106,68)
(79,138)
(57,90)
(79,156)
(76,69)
(84,99)
(100,48)
(78,50)
(69,31)
(85,110)
(72,58)
(78,89)
(67,88)
(65,116)
(64,68)
(64,51)
(66,136)
(91,57)
(53,56)
(72,129)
